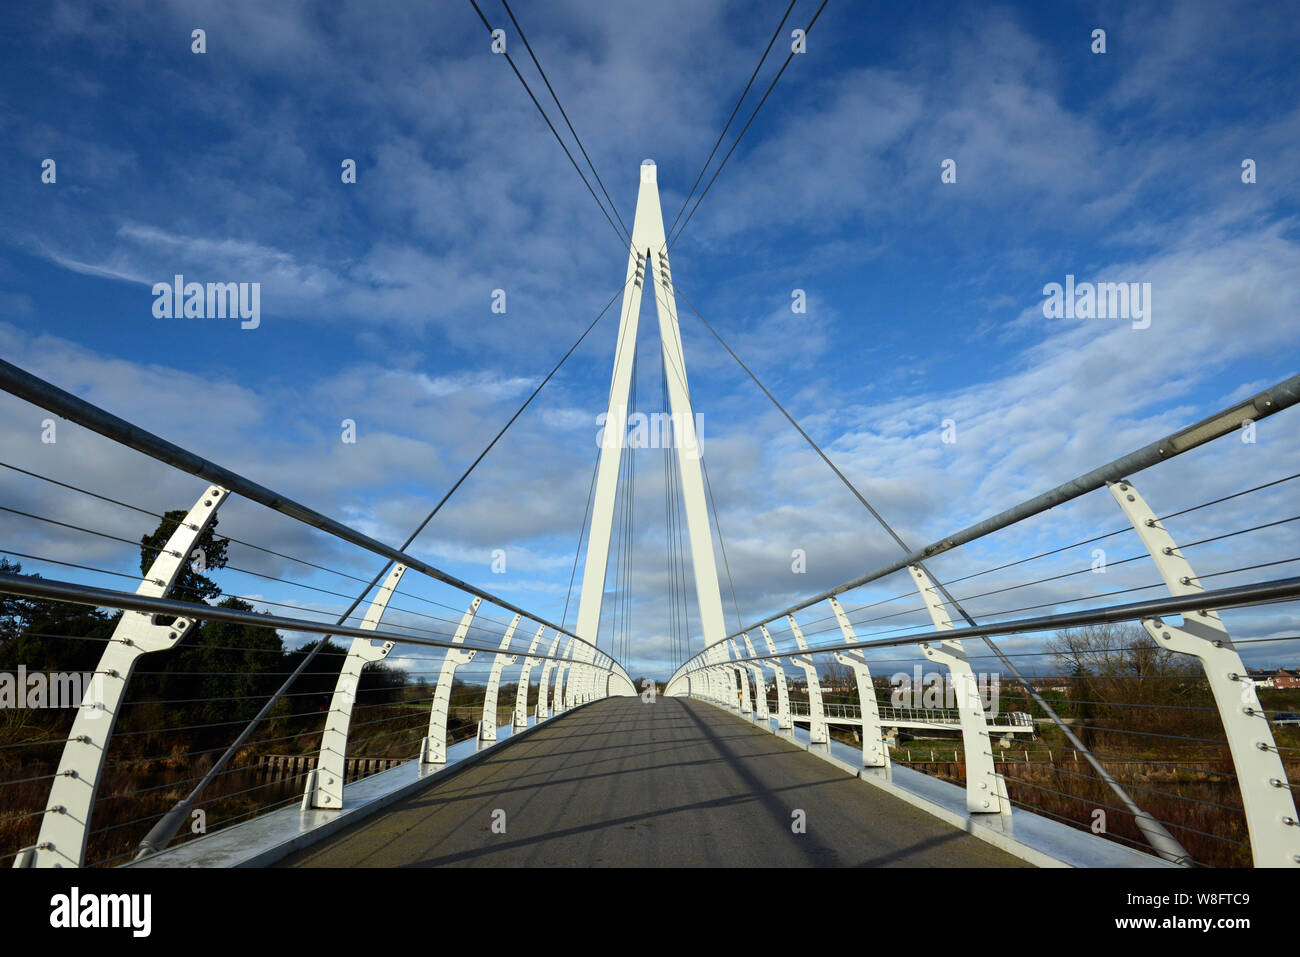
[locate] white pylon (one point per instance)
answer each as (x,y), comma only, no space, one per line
(649,251)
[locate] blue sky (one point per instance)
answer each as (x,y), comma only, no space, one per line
(925,298)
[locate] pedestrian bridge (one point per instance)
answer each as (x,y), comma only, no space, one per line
(772,743)
(673,783)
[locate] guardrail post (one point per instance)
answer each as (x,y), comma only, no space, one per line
(984,790)
(1261,776)
(742,673)
(817,730)
(727,675)
(760,683)
(544,699)
(325,782)
(559,697)
(521,695)
(783,720)
(65,825)
(434,748)
(875,755)
(487,726)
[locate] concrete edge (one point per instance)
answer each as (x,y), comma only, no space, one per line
(272,837)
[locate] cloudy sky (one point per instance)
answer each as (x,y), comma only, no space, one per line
(924,297)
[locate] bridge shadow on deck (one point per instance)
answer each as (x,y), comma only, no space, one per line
(676,783)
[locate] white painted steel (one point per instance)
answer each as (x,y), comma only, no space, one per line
(487,726)
(521,695)
(783,720)
(817,731)
(434,749)
(545,701)
(874,752)
(649,242)
(325,783)
(66,822)
(1261,776)
(983,789)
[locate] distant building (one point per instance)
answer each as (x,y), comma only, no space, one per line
(1283,679)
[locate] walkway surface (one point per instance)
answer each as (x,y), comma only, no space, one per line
(676,783)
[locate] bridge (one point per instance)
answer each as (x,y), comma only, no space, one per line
(783,741)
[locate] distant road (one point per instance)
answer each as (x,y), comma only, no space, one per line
(676,783)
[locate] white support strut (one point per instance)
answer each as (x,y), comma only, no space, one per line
(565,667)
(1261,776)
(487,726)
(521,695)
(874,753)
(544,699)
(984,788)
(742,675)
(65,825)
(760,683)
(434,748)
(783,720)
(325,782)
(818,733)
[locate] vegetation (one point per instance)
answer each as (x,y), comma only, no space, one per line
(186,705)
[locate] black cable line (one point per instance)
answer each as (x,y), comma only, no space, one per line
(741,135)
(624,240)
(577,139)
(734,111)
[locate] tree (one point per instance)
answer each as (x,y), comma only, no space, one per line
(191,583)
(1117,668)
(14,610)
(50,635)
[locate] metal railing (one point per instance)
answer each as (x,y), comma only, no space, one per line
(1155,725)
(151,753)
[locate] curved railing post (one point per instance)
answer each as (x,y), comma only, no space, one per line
(742,674)
(544,700)
(874,753)
(817,730)
(487,726)
(1261,776)
(562,670)
(66,823)
(984,788)
(434,749)
(325,782)
(783,720)
(521,695)
(760,682)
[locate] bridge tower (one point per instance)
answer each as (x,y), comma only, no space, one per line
(649,253)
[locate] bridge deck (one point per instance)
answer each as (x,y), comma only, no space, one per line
(676,783)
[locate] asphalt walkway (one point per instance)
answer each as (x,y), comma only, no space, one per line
(677,783)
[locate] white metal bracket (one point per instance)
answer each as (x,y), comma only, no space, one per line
(874,753)
(760,683)
(66,822)
(544,700)
(434,749)
(817,731)
(741,673)
(783,720)
(325,783)
(521,695)
(982,788)
(487,727)
(1265,795)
